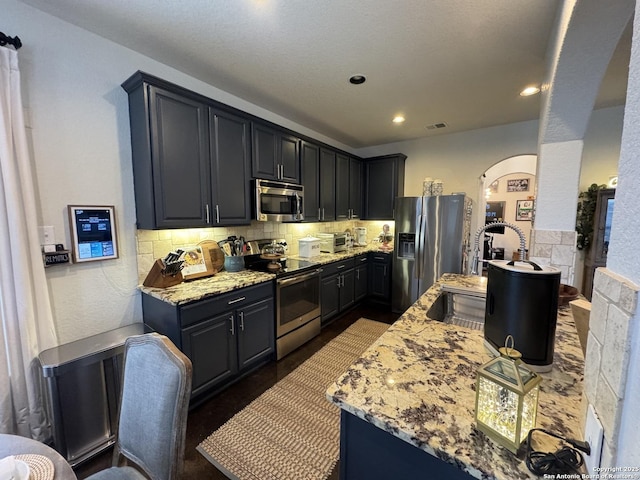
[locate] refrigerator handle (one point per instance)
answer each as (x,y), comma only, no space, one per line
(417,257)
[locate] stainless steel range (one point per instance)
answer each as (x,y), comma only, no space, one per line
(297,297)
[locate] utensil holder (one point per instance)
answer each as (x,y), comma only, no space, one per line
(233,263)
(157,278)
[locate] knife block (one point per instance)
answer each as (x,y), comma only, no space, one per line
(157,278)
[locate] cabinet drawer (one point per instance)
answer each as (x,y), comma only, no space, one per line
(380,258)
(361,259)
(204,309)
(337,267)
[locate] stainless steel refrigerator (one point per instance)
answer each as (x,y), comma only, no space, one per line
(432,236)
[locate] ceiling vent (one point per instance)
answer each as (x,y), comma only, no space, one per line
(435,126)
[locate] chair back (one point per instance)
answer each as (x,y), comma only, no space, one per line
(154,406)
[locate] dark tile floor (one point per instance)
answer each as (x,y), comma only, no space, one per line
(211,414)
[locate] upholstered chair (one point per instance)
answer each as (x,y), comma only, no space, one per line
(153,411)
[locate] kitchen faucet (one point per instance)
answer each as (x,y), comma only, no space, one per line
(476,245)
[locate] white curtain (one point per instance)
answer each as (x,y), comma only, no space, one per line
(25,310)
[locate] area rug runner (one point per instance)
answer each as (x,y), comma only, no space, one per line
(292,431)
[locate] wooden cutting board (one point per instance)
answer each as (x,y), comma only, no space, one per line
(213,256)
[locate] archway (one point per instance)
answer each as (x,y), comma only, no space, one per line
(518,164)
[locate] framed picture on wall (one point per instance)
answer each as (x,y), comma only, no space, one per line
(93,233)
(518,185)
(524,210)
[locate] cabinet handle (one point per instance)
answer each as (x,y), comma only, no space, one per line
(319,214)
(364,259)
(233,328)
(322,213)
(357,274)
(239,299)
(206,210)
(241,314)
(340,266)
(338,281)
(378,258)
(217,214)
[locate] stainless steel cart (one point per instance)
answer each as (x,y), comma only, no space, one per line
(82,382)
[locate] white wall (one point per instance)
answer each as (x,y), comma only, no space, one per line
(79,127)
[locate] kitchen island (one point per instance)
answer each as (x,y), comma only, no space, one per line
(408,403)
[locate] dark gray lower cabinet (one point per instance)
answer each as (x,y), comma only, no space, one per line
(337,288)
(225,336)
(361,280)
(380,277)
(368,452)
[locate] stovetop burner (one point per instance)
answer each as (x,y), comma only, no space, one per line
(287,265)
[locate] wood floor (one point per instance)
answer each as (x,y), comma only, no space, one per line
(210,415)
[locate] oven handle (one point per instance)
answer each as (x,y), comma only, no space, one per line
(300,278)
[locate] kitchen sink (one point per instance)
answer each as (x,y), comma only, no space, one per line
(459,309)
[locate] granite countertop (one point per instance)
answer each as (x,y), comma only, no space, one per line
(223,281)
(417,382)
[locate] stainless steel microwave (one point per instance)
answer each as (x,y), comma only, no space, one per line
(278,201)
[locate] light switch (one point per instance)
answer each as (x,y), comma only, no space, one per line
(47,235)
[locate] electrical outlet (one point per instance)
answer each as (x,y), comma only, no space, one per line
(594,434)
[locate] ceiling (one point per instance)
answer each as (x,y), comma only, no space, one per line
(458,62)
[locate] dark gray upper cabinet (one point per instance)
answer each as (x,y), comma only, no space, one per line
(230,161)
(327,185)
(170,148)
(342,187)
(276,154)
(190,158)
(348,187)
(356,200)
(310,167)
(384,182)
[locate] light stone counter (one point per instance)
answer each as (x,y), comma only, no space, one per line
(223,281)
(417,382)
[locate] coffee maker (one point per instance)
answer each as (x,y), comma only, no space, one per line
(522,301)
(361,236)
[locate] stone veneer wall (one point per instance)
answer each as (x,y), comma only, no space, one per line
(555,248)
(153,244)
(613,306)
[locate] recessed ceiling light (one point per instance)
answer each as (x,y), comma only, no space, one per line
(532,90)
(398,119)
(357,79)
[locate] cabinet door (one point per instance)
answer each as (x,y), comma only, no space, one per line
(380,274)
(310,165)
(211,346)
(255,329)
(384,182)
(342,187)
(355,187)
(347,289)
(327,185)
(289,158)
(180,158)
(329,296)
(230,178)
(275,155)
(361,285)
(264,155)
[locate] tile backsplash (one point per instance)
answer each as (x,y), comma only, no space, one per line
(153,244)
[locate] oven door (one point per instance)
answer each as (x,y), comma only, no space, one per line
(298,301)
